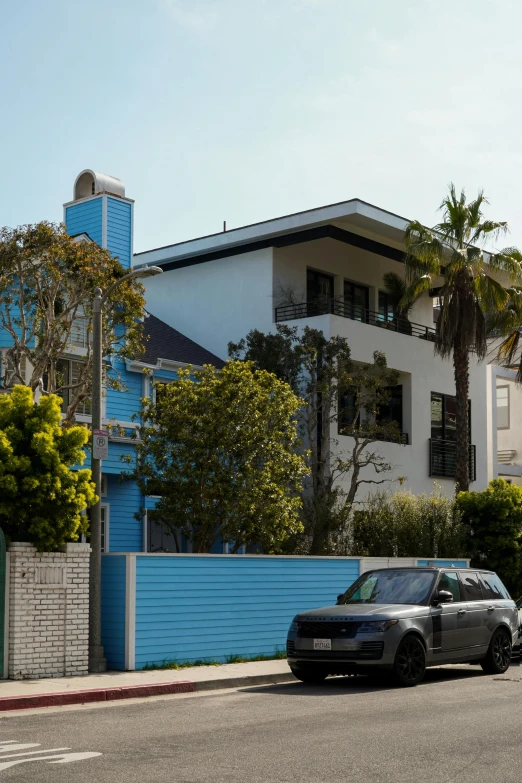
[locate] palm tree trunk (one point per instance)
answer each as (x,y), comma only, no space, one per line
(461,369)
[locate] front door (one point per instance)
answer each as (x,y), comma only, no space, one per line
(454,617)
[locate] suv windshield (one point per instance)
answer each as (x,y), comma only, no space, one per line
(391,587)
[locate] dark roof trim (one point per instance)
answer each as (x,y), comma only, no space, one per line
(285,240)
(271,220)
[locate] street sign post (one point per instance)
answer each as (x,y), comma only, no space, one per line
(100,444)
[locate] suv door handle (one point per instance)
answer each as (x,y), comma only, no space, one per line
(462,611)
(491,608)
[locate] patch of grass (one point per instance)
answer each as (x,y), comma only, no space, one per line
(279,654)
(178,665)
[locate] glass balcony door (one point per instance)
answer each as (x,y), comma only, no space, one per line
(356,301)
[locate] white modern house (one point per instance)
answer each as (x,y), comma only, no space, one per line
(324,268)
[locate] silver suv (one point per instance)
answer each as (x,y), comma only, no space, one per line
(402,620)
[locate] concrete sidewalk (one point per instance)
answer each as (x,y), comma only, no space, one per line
(111,686)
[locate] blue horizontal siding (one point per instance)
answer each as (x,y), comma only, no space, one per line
(85,216)
(123,404)
(190,608)
(119,230)
(113,610)
(443,563)
(165,375)
(124,499)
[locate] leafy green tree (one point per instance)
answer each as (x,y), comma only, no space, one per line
(321,371)
(402,524)
(493,519)
(453,252)
(221,448)
(47,282)
(41,497)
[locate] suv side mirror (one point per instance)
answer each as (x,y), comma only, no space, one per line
(442,597)
(339,597)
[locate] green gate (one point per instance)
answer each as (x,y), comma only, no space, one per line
(2,600)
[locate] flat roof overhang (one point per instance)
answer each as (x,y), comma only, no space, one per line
(341,222)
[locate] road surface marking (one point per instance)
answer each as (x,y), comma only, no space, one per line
(7,746)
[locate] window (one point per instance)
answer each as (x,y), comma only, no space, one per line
(390,587)
(158,389)
(444,417)
(472,591)
(386,309)
(79,329)
(449,581)
(356,300)
(493,588)
(502,407)
(347,409)
(318,286)
(392,410)
(68,372)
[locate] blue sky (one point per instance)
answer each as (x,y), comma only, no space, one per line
(249,109)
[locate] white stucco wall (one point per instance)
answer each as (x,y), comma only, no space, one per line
(216,302)
(222,300)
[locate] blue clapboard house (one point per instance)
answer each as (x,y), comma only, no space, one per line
(101,212)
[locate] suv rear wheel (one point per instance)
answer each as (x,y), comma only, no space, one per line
(312,674)
(410,661)
(498,656)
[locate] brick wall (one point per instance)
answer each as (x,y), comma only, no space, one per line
(48,611)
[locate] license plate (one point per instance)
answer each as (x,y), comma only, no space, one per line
(322,644)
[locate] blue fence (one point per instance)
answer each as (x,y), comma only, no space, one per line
(183,608)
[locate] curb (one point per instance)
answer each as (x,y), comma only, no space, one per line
(61,699)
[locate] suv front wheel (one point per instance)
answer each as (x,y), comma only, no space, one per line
(410,661)
(498,656)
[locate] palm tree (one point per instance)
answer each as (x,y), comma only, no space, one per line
(400,300)
(475,284)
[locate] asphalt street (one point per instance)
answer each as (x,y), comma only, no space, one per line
(459,725)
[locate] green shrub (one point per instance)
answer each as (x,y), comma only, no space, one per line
(41,498)
(402,524)
(493,519)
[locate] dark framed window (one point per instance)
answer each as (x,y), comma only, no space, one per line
(356,301)
(386,309)
(347,409)
(68,374)
(444,417)
(319,285)
(471,584)
(392,409)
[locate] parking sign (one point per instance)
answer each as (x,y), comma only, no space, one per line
(100,444)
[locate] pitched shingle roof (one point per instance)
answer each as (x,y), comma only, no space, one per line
(164,342)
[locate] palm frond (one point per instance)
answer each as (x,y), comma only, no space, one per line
(489,229)
(424,251)
(509,261)
(492,295)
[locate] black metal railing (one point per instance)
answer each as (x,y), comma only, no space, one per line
(403,437)
(327,305)
(443,459)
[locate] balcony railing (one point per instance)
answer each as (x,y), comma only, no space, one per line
(330,306)
(443,459)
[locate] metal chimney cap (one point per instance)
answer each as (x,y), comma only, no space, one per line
(89,183)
